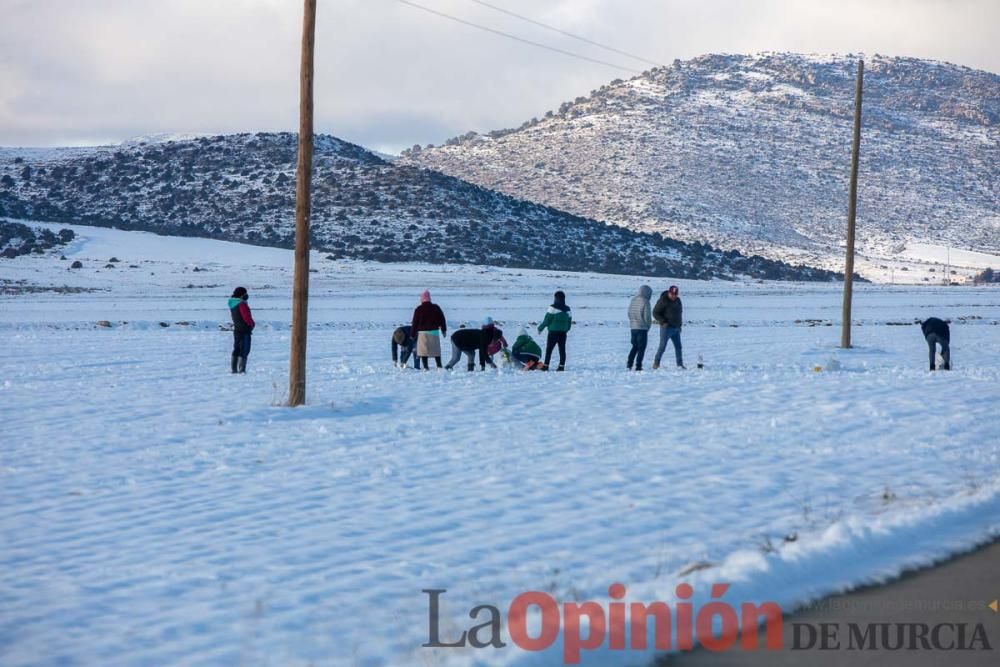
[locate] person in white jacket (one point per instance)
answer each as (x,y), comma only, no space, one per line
(640,319)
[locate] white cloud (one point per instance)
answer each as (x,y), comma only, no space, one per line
(389,75)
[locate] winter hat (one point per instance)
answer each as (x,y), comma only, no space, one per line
(425,296)
(560,297)
(522,332)
(672,289)
(488,321)
(240,293)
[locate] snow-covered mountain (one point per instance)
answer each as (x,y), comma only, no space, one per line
(242,188)
(753,153)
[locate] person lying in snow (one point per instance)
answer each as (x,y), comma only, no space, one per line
(243,325)
(558,321)
(525,350)
(497,342)
(937,332)
(470,341)
(403,345)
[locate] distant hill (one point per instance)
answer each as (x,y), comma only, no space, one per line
(241,188)
(753,153)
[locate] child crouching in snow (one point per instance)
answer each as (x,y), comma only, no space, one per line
(525,350)
(494,340)
(243,325)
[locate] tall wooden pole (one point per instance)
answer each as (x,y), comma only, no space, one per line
(845,330)
(303,209)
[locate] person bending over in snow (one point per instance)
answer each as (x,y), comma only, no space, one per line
(937,332)
(639,321)
(471,341)
(496,341)
(558,321)
(403,345)
(525,350)
(243,325)
(667,313)
(428,326)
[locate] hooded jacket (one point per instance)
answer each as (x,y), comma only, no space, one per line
(242,319)
(667,312)
(640,314)
(934,325)
(557,317)
(525,344)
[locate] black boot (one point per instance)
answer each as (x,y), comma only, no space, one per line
(234,362)
(241,366)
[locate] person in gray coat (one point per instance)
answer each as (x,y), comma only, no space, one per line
(668,313)
(640,319)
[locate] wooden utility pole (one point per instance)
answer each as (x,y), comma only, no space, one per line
(845,330)
(303,209)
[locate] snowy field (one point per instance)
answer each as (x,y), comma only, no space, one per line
(155,509)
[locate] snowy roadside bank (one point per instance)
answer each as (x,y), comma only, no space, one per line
(953,599)
(155,510)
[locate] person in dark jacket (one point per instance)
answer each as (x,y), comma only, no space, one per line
(668,314)
(937,332)
(427,327)
(471,341)
(639,321)
(403,345)
(558,321)
(243,325)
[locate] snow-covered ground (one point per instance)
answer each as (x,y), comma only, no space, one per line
(155,509)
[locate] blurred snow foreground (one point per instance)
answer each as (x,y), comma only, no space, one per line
(155,509)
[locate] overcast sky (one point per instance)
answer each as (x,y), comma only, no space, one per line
(388,75)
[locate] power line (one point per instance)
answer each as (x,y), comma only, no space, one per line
(567,34)
(519,39)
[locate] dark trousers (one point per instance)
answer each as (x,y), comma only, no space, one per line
(933,340)
(640,337)
(241,350)
(556,338)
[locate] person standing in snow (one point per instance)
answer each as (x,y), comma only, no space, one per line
(428,326)
(525,350)
(937,332)
(403,345)
(558,321)
(668,314)
(243,325)
(640,319)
